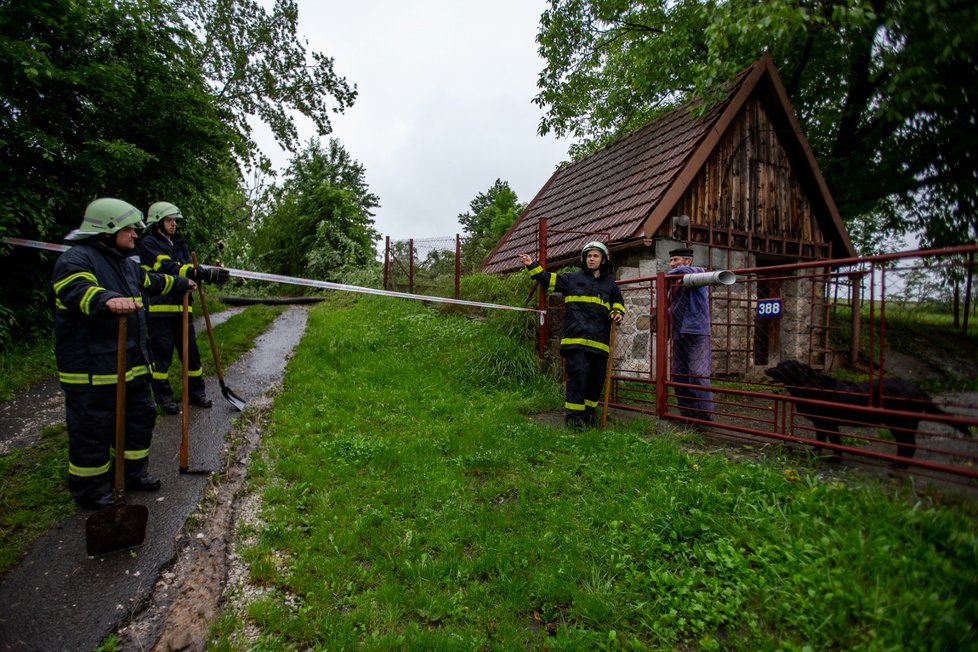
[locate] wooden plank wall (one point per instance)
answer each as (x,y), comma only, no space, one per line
(748,196)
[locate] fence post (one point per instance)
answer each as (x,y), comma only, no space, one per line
(967,290)
(458,266)
(387,262)
(661,344)
(856,317)
(411,265)
(542,330)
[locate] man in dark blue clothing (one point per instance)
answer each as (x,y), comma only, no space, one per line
(692,354)
(592,300)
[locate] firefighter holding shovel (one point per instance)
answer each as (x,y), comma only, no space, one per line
(95,282)
(164,250)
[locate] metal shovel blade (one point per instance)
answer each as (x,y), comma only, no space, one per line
(119,527)
(236,401)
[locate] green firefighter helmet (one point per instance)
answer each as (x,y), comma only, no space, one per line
(162,209)
(593,245)
(106,215)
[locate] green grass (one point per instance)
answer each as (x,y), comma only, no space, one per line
(409,503)
(25,363)
(34,496)
(925,332)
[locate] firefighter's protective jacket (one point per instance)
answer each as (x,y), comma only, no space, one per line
(588,304)
(86,331)
(157,254)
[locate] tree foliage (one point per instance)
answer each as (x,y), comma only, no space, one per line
(97,99)
(885,89)
(144,100)
(490,215)
(257,65)
(318,221)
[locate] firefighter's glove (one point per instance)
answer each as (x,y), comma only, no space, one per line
(213,275)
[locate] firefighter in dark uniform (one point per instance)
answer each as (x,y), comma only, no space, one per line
(95,281)
(592,300)
(161,249)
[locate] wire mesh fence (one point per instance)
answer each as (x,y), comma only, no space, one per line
(430,266)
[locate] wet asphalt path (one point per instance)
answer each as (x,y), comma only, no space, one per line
(58,598)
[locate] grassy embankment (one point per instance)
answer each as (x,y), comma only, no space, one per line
(34,497)
(926,332)
(407,502)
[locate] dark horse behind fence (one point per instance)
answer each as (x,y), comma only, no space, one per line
(901,396)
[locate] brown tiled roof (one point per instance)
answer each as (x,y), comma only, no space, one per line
(623,191)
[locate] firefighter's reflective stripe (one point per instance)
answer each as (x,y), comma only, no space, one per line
(601,346)
(168,308)
(168,282)
(590,404)
(101,379)
(585,299)
(162,258)
(157,264)
(618,307)
(88,276)
(552,284)
(89,471)
(85,304)
(574,407)
(193,373)
(141,454)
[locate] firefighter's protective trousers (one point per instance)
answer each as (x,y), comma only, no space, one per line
(165,335)
(90,415)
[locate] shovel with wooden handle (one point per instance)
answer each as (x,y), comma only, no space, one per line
(607,375)
(121,526)
(236,401)
(185,378)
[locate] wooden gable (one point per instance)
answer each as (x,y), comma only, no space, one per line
(743,172)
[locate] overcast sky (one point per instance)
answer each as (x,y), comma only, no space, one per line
(444,105)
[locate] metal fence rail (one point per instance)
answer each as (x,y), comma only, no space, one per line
(833,317)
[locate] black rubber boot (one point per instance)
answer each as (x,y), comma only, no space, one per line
(200,400)
(145,482)
(575,422)
(168,405)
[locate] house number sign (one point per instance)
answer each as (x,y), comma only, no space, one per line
(769,308)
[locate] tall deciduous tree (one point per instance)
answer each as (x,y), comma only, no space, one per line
(257,65)
(490,214)
(885,89)
(319,220)
(144,100)
(97,98)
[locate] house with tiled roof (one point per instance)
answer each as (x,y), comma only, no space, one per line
(737,182)
(742,171)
